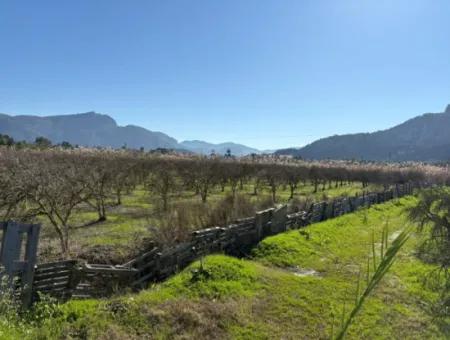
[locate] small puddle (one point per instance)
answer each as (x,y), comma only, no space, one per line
(302,272)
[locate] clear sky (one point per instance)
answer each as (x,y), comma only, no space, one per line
(268,74)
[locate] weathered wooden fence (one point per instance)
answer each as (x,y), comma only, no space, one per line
(56,278)
(72,279)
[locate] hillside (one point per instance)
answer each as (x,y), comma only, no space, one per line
(423,138)
(206,148)
(293,287)
(94,129)
(85,129)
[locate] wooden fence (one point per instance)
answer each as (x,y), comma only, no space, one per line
(69,279)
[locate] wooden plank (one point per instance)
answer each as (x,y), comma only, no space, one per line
(49,269)
(49,275)
(143,257)
(61,271)
(107,269)
(249,220)
(61,285)
(11,246)
(51,283)
(55,268)
(55,265)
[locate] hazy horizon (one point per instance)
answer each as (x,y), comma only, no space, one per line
(265,74)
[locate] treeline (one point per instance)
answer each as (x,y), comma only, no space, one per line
(39,143)
(53,183)
(43,143)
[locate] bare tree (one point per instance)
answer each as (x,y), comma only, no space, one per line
(53,187)
(292,176)
(98,180)
(273,177)
(204,174)
(162,181)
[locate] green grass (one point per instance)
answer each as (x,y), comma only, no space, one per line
(265,297)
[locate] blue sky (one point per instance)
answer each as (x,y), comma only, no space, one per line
(269,74)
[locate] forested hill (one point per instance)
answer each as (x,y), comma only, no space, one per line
(423,138)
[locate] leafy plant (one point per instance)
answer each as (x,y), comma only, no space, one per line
(432,214)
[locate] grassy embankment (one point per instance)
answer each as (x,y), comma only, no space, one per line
(293,287)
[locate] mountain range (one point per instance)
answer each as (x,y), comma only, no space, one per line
(94,129)
(423,138)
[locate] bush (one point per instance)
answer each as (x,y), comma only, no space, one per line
(183,218)
(177,224)
(432,213)
(230,209)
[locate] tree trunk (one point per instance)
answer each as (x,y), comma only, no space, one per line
(101,210)
(292,191)
(119,197)
(165,200)
(64,242)
(204,194)
(255,190)
(233,190)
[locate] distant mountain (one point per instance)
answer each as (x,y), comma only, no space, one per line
(206,148)
(86,129)
(423,138)
(94,129)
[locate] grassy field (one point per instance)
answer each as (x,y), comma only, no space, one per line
(128,224)
(293,287)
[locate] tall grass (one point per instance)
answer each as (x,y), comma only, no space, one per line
(388,254)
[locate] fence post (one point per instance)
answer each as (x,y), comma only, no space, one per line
(279,219)
(10,252)
(31,259)
(11,256)
(262,218)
